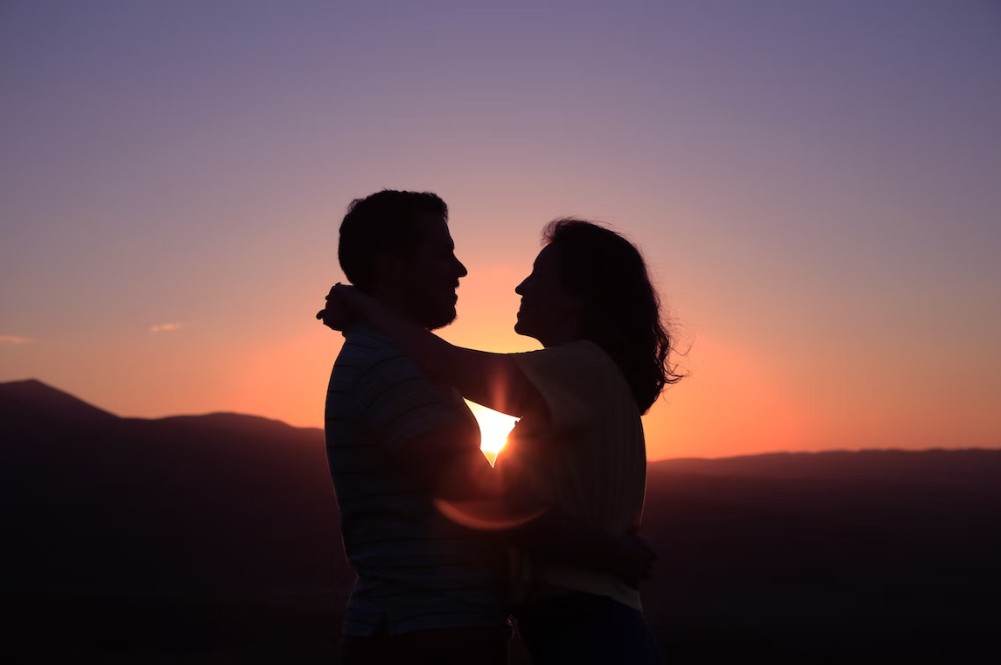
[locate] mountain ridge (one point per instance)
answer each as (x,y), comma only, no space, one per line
(37,395)
(31,396)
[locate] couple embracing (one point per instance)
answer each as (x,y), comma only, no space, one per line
(447,549)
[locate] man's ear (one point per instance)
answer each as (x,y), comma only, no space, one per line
(389,269)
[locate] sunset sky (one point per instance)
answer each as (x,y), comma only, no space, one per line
(815,185)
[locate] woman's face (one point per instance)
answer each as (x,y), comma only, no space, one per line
(548,312)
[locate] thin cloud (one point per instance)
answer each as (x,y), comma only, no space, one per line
(15,339)
(165,327)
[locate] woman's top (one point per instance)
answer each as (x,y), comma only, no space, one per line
(582,452)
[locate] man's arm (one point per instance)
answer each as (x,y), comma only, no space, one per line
(564,540)
(526,522)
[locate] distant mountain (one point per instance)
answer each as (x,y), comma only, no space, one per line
(32,401)
(93,503)
(219,534)
(936,466)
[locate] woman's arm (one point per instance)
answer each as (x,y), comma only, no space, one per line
(491,379)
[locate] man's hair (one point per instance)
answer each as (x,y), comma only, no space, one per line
(382,223)
(621,306)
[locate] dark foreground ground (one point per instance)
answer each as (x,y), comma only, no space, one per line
(767,568)
(876,557)
(214,540)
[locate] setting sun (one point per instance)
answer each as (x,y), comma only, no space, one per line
(494,428)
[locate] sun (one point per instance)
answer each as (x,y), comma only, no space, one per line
(494,428)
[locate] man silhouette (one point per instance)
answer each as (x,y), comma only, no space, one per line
(428,591)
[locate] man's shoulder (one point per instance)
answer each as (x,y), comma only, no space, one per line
(363,346)
(369,361)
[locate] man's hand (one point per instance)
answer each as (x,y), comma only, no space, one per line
(634,558)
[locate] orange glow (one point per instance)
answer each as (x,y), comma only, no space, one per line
(285,378)
(730,404)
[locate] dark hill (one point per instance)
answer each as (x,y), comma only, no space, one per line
(100,504)
(212,539)
(863,557)
(33,402)
(156,524)
(957,467)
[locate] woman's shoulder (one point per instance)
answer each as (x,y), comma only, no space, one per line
(580,367)
(580,350)
(585,356)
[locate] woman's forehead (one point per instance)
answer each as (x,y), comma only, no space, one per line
(548,256)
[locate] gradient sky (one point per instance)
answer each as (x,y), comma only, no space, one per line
(816,187)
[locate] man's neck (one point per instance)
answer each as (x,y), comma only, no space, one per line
(396,303)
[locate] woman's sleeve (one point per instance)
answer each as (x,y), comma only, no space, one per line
(567,378)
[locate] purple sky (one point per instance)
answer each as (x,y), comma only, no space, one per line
(816,186)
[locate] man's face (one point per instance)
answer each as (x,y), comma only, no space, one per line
(430,274)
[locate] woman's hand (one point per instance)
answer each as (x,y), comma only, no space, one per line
(345,305)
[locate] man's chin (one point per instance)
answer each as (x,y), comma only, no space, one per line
(442,319)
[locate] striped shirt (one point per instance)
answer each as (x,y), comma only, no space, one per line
(416,570)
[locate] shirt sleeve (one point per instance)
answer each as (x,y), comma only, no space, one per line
(567,378)
(400,402)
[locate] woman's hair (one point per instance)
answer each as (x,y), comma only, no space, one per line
(621,307)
